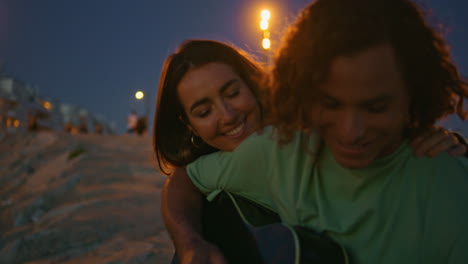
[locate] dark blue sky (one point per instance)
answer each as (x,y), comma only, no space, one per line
(98,53)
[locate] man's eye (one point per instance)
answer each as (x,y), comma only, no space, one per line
(377,108)
(330,104)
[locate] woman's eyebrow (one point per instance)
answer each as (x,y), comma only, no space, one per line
(227,84)
(197,103)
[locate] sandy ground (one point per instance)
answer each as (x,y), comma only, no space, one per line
(80,199)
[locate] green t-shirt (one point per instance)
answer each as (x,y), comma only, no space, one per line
(401,209)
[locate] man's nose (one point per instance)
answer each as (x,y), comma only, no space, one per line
(352,126)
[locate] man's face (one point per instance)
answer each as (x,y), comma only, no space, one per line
(362,107)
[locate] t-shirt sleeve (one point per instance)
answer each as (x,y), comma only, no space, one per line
(244,171)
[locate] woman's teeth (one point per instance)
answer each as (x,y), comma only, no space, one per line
(235,130)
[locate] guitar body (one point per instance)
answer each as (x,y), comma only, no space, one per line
(249,233)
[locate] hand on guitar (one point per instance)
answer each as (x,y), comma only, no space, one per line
(202,252)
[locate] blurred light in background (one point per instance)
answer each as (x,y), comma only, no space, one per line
(266,14)
(266,43)
(139,95)
(47,105)
(263,24)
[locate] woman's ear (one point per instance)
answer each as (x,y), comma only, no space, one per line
(186,123)
(192,130)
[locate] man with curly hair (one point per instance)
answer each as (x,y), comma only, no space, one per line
(353,83)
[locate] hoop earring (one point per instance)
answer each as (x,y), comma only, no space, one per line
(192,139)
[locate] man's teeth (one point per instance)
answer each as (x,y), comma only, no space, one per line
(235,130)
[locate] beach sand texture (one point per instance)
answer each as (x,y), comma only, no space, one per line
(80,199)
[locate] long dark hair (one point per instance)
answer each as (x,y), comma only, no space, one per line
(327,29)
(172,139)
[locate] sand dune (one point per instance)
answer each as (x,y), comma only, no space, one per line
(80,199)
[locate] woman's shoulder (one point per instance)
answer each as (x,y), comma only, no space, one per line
(268,141)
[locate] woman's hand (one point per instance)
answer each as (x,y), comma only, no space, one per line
(181,207)
(201,252)
(438,140)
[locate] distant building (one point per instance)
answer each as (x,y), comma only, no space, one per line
(19,104)
(21,108)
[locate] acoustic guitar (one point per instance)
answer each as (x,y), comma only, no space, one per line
(247,232)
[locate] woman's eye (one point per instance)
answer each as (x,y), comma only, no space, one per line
(202,113)
(232,92)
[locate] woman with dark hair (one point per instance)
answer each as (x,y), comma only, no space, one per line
(177,141)
(209,99)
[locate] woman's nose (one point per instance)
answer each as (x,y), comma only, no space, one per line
(228,113)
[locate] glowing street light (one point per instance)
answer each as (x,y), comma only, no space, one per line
(264,26)
(265,14)
(266,43)
(139,95)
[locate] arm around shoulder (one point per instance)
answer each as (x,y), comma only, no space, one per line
(231,170)
(181,207)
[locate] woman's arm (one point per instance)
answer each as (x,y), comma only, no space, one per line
(181,207)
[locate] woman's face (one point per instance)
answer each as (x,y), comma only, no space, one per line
(220,108)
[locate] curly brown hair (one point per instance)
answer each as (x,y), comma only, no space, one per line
(172,139)
(327,29)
